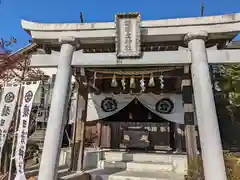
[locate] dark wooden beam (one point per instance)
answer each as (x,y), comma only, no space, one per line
(79,125)
(190,132)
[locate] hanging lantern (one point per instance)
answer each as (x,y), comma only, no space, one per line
(123,83)
(132,82)
(142,84)
(151,82)
(161,81)
(114,81)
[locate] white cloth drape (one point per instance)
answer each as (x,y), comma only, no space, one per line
(95,112)
(149,100)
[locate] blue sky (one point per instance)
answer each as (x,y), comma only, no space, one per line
(12,11)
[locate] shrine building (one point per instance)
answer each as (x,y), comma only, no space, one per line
(142,86)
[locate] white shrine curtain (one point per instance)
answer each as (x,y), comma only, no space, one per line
(149,100)
(95,111)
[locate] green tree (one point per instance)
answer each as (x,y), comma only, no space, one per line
(231,84)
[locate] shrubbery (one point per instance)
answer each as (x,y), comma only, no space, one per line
(232,163)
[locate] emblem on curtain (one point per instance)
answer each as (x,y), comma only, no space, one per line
(109,104)
(164,106)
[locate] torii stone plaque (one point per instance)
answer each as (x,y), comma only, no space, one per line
(128,42)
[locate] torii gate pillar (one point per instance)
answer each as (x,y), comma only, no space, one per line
(210,140)
(57,119)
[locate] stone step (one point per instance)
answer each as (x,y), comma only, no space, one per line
(36,139)
(137,157)
(40,133)
(75,176)
(131,175)
(61,173)
(136,166)
(103,174)
(34,172)
(37,136)
(140,157)
(33,167)
(103,164)
(178,162)
(149,167)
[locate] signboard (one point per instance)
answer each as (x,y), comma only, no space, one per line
(128,35)
(26,107)
(42,115)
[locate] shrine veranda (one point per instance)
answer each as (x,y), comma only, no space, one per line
(147,79)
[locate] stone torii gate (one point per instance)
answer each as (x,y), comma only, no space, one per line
(127,33)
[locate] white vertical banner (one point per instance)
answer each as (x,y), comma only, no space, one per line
(7,109)
(26,107)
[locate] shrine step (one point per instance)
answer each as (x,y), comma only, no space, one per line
(118,174)
(75,176)
(62,170)
(177,161)
(140,157)
(136,166)
(37,137)
(130,175)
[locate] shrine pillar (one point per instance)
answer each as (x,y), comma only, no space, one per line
(56,121)
(211,146)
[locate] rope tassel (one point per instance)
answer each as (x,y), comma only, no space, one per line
(161,81)
(151,82)
(123,83)
(132,83)
(142,85)
(114,81)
